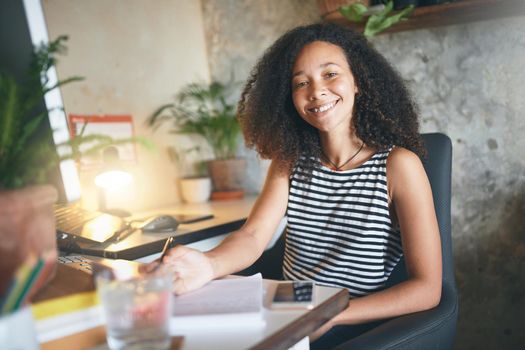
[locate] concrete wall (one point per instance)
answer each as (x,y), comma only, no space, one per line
(134,55)
(468,80)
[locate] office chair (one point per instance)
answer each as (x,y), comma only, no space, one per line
(430,329)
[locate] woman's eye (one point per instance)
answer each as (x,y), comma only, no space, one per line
(300,84)
(330,74)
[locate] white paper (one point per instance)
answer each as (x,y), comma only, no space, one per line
(221,303)
(62,325)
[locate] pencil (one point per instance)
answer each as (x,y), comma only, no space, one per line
(165,249)
(152,267)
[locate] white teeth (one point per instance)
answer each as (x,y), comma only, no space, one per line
(324,107)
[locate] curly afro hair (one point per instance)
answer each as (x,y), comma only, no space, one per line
(384,113)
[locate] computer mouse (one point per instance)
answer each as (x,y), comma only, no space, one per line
(161,223)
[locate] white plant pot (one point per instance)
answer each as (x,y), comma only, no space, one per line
(195,190)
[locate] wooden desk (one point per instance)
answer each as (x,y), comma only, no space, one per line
(228,216)
(283,328)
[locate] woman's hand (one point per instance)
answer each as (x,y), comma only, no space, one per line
(192,269)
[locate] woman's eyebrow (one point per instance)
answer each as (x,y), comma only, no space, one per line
(323,65)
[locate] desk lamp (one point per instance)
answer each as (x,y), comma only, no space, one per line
(112,177)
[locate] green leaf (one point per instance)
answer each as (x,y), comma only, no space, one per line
(9,98)
(203,110)
(381,21)
(354,12)
(63,82)
(158,114)
(28,131)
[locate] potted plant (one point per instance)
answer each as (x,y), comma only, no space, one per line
(376,20)
(28,157)
(203,110)
(194,183)
(27,226)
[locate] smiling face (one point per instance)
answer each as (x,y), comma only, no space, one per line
(323,87)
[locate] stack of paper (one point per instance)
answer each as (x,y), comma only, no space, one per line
(66,305)
(231,302)
(66,315)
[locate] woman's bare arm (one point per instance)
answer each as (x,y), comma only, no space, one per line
(241,248)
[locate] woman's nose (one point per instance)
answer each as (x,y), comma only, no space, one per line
(317,90)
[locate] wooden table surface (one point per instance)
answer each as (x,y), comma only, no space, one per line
(283,328)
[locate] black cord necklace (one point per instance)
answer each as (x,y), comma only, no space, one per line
(337,168)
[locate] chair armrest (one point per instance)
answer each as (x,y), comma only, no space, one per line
(434,328)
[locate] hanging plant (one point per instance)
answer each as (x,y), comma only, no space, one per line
(376,21)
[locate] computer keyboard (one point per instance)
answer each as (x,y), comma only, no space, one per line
(87,264)
(70,218)
(78,262)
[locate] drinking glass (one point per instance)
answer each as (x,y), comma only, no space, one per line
(137,310)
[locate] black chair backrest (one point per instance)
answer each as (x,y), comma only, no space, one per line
(438,166)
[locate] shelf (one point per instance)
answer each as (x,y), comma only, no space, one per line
(459,12)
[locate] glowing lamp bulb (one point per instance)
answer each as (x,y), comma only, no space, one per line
(113,179)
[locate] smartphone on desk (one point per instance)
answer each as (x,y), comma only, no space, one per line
(294,294)
(192,218)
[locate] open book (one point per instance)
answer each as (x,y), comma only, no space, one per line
(67,304)
(229,302)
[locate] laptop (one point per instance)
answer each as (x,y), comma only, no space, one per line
(75,223)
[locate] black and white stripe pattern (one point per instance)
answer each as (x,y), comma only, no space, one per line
(339,229)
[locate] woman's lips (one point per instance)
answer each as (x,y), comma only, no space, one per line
(323,108)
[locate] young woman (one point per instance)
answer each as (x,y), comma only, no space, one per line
(342,133)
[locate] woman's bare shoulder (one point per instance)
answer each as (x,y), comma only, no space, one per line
(404,168)
(400,156)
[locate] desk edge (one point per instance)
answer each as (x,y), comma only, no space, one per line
(306,324)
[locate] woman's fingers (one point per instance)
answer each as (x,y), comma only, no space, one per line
(148,268)
(179,286)
(183,285)
(191,268)
(176,252)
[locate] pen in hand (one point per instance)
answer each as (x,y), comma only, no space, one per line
(163,254)
(166,247)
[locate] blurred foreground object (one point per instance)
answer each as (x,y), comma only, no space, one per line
(27,243)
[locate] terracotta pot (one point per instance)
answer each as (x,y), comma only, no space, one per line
(27,230)
(227,174)
(326,7)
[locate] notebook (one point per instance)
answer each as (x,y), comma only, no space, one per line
(235,302)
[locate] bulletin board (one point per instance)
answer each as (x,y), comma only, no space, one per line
(115,126)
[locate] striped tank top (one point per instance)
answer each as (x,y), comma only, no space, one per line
(339,228)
